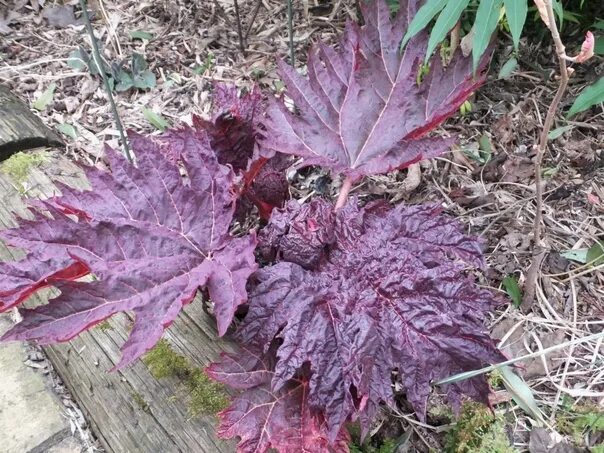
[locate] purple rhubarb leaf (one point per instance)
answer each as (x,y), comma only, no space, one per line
(361,110)
(265,419)
(149,236)
(232,132)
(387,293)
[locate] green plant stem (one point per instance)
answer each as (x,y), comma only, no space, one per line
(97,58)
(290,31)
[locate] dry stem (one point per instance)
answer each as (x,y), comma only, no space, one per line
(538,252)
(344,191)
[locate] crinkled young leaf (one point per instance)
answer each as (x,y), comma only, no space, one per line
(234,125)
(361,111)
(232,133)
(299,233)
(389,294)
(150,239)
(267,419)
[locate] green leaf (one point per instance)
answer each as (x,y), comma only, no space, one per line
(394,6)
(141,34)
(516,11)
(559,10)
(508,68)
(599,45)
(68,130)
(599,25)
(590,96)
(578,255)
(511,287)
(145,80)
(124,81)
(78,60)
(45,98)
(555,133)
(487,17)
(484,144)
(139,64)
(521,393)
(595,255)
(445,22)
(156,120)
(425,14)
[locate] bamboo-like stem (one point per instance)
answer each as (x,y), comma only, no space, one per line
(344,191)
(538,252)
(96,54)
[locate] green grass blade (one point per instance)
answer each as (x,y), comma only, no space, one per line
(516,11)
(45,98)
(592,95)
(521,393)
(155,119)
(445,22)
(470,374)
(425,14)
(487,17)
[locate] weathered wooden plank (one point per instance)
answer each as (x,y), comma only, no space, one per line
(129,410)
(20,128)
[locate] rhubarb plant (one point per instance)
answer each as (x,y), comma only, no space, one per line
(339,302)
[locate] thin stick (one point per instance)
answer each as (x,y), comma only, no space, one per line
(290,31)
(538,252)
(242,45)
(253,19)
(97,58)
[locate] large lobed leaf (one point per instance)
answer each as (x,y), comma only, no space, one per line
(361,110)
(150,237)
(270,419)
(382,290)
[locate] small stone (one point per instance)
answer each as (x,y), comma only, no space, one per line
(36,356)
(71,104)
(68,445)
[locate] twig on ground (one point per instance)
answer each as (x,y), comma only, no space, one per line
(242,44)
(538,250)
(97,58)
(290,31)
(253,19)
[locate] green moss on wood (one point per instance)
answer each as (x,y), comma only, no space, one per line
(104,326)
(19,165)
(163,361)
(140,402)
(205,395)
(478,431)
